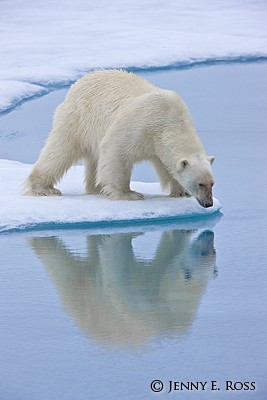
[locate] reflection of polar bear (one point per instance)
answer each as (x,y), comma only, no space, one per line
(113,119)
(118,298)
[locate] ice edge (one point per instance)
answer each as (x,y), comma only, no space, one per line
(59,225)
(47,87)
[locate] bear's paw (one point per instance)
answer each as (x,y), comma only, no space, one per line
(131,195)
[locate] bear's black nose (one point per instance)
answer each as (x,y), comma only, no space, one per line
(208,204)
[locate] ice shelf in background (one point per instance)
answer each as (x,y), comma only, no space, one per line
(45,43)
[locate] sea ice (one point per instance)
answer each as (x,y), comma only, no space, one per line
(48,42)
(18,211)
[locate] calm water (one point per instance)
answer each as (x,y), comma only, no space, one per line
(89,314)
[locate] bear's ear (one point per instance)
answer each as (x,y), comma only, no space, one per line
(210,159)
(184,163)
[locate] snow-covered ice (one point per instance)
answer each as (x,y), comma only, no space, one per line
(14,91)
(47,42)
(19,212)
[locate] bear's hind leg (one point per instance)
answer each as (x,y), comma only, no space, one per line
(55,159)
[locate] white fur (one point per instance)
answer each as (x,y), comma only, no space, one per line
(113,119)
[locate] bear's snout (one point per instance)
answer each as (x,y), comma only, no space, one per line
(204,194)
(208,204)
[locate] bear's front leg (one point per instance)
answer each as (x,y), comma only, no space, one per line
(114,173)
(167,181)
(115,194)
(177,190)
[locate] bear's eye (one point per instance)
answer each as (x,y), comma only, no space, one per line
(201,185)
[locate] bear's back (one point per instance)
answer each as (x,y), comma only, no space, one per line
(98,99)
(111,85)
(107,97)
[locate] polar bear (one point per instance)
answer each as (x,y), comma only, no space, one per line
(113,119)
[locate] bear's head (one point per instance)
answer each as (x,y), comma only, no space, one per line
(195,174)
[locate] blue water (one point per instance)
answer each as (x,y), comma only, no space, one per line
(101,313)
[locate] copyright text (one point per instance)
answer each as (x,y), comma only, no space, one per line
(173,386)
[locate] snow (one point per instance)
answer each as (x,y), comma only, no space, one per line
(44,43)
(23,212)
(12,92)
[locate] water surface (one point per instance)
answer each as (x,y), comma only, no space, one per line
(99,314)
